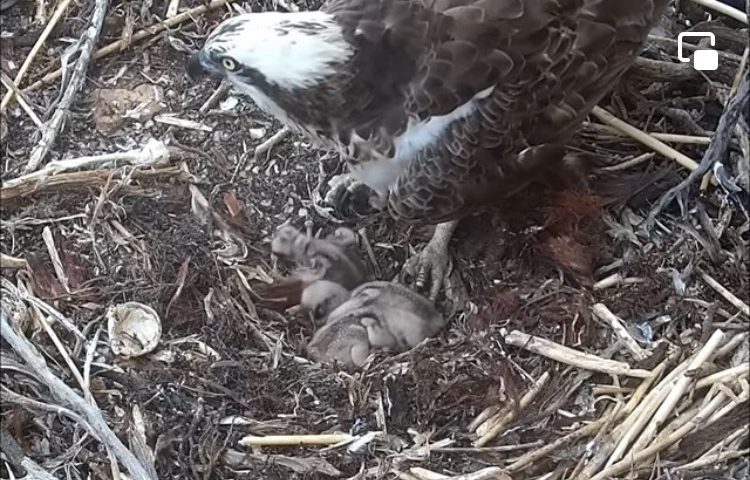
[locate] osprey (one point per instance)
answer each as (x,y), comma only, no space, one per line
(439,107)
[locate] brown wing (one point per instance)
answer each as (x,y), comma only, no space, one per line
(551,61)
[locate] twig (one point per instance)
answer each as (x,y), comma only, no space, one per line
(49,241)
(724,376)
(633,460)
(713,459)
(55,124)
(59,11)
(664,137)
(295,440)
(215,97)
(606,315)
(570,356)
(715,150)
(67,396)
(631,162)
(725,9)
(13,451)
(495,425)
(728,296)
(137,36)
(6,261)
(489,473)
(544,452)
(676,393)
(21,101)
(86,178)
(265,147)
(644,138)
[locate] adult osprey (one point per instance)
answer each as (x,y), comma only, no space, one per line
(439,106)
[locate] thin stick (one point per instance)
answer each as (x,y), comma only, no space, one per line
(544,452)
(642,410)
(21,101)
(569,356)
(631,162)
(137,36)
(295,440)
(724,376)
(724,133)
(728,296)
(627,464)
(606,315)
(644,138)
(61,8)
(677,392)
(64,394)
(87,178)
(725,9)
(77,79)
(499,424)
(664,137)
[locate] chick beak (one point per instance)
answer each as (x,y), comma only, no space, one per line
(194,67)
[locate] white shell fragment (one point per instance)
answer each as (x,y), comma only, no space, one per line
(134,329)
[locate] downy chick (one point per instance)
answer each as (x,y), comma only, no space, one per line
(331,258)
(322,297)
(394,317)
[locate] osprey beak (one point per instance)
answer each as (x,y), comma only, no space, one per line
(196,68)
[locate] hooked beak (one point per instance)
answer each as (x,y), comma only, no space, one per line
(196,67)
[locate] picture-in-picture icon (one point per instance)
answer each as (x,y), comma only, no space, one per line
(703,59)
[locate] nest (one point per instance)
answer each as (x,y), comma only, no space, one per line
(589,336)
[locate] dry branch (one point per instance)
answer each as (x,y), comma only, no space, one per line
(137,36)
(728,296)
(61,8)
(644,138)
(64,394)
(724,132)
(85,46)
(570,356)
(295,440)
(492,427)
(606,315)
(88,178)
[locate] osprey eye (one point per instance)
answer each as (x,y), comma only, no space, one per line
(229,64)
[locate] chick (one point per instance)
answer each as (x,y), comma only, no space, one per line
(320,298)
(393,318)
(330,258)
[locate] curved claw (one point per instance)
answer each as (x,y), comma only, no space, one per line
(428,269)
(433,261)
(350,198)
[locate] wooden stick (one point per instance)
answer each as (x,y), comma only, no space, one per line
(295,440)
(61,8)
(137,36)
(664,137)
(67,396)
(87,178)
(634,460)
(724,133)
(725,9)
(728,296)
(644,138)
(77,78)
(11,86)
(570,356)
(724,376)
(677,392)
(606,315)
(495,427)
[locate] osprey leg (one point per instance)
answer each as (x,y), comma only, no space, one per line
(433,261)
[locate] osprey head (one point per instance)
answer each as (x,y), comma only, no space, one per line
(289,50)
